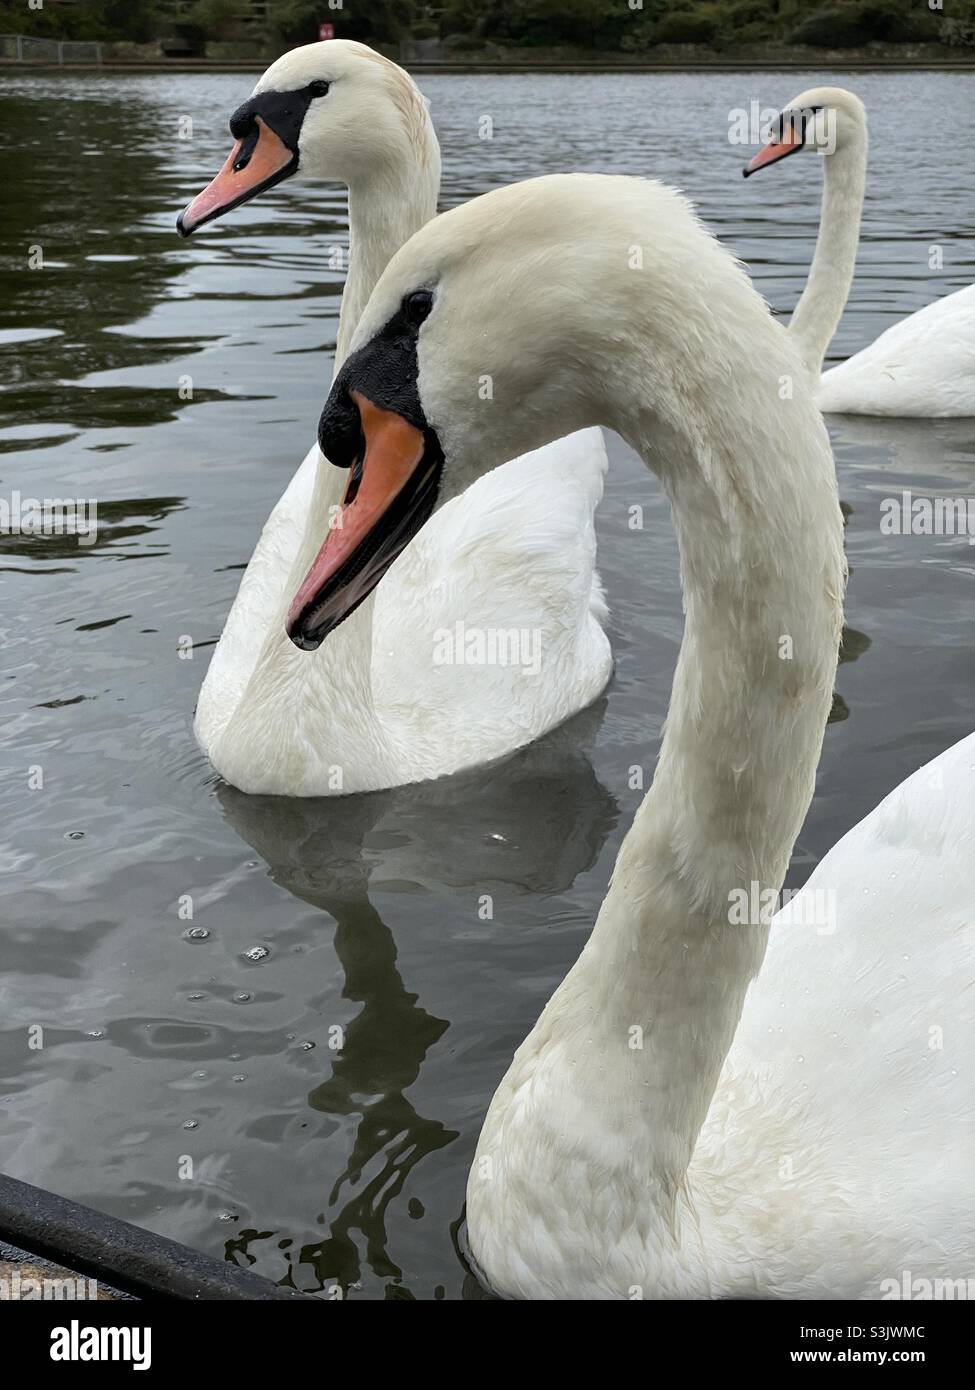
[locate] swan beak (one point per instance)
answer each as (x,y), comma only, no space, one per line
(789,141)
(255,163)
(391,493)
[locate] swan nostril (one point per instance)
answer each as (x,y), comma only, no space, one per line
(355,478)
(247,148)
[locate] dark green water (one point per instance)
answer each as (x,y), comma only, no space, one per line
(350,1167)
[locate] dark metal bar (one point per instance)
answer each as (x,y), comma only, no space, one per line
(123,1256)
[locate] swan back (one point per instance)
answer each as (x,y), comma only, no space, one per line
(846,1094)
(923,366)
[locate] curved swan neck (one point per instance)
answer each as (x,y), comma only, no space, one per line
(821,304)
(753,491)
(385,208)
(609,1091)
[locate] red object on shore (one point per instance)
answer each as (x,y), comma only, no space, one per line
(326,31)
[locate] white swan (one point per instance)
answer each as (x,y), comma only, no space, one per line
(684,1120)
(922,366)
(488,631)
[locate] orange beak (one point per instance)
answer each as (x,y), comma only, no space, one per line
(786,142)
(391,493)
(259,161)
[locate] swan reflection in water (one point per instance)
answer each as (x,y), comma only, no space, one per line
(529,825)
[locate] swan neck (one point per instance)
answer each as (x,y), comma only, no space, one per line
(385,210)
(823,300)
(610,1090)
(753,490)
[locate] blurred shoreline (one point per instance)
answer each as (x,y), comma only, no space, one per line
(768,62)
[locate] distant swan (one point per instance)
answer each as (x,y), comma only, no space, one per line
(922,366)
(435,678)
(693,1116)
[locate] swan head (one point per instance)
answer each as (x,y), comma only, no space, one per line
(825,119)
(336,110)
(530,312)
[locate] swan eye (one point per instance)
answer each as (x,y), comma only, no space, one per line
(318,89)
(417,306)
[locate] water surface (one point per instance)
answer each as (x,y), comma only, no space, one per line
(349,1167)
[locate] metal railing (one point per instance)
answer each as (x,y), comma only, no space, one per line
(61,51)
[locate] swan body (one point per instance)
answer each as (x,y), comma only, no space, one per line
(373,708)
(709,1105)
(922,366)
(428,708)
(868,979)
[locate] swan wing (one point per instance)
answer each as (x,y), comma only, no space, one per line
(504,609)
(847,1092)
(922,366)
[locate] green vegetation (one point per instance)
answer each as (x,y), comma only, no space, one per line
(622,26)
(134,20)
(613,24)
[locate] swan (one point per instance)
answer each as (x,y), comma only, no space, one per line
(692,1116)
(489,631)
(922,366)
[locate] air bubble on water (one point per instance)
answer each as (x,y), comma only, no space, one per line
(305,1046)
(197,996)
(200,1076)
(95,1033)
(256,953)
(228,1216)
(497,838)
(196,934)
(191,1124)
(75,835)
(800,1058)
(234,1057)
(243,996)
(239,1076)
